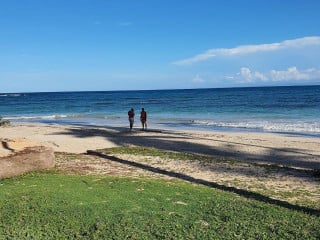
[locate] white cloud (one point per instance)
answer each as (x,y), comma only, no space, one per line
(248,76)
(260,76)
(247,49)
(290,74)
(293,73)
(197,79)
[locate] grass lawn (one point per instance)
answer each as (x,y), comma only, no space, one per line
(52,205)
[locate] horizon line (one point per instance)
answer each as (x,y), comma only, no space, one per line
(165,89)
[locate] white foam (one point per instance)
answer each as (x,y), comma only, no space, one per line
(303,127)
(11,95)
(60,116)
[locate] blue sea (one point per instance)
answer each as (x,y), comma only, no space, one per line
(290,110)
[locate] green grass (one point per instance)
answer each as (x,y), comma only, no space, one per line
(55,206)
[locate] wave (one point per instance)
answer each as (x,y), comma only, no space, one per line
(267,126)
(12,95)
(35,117)
(59,116)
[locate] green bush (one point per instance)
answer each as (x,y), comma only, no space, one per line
(4,122)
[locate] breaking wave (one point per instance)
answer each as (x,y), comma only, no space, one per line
(60,116)
(267,126)
(12,95)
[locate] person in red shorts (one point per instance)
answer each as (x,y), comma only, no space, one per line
(143,119)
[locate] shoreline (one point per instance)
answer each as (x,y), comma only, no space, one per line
(170,126)
(262,148)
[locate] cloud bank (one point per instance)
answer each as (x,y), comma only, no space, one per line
(249,49)
(291,74)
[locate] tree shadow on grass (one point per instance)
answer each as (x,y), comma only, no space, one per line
(241,192)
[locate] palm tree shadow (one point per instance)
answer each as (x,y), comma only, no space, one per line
(5,145)
(241,192)
(181,142)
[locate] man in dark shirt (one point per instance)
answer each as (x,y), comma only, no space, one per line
(131,118)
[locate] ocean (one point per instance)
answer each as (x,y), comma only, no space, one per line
(289,110)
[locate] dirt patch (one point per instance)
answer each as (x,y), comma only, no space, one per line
(91,165)
(19,155)
(29,159)
(11,146)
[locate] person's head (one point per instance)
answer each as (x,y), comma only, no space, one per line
(142,109)
(131,109)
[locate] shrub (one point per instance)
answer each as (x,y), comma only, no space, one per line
(4,122)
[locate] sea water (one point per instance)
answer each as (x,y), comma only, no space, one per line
(294,110)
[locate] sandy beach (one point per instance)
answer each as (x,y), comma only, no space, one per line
(267,148)
(292,180)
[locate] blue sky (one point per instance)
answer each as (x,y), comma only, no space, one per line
(75,45)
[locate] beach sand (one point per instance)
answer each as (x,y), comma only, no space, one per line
(293,180)
(280,149)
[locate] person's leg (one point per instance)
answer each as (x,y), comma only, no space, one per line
(131,123)
(144,125)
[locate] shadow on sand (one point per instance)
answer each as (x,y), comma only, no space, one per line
(183,142)
(5,145)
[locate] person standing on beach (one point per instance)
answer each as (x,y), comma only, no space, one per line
(143,119)
(131,117)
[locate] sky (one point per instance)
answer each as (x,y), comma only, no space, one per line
(102,45)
